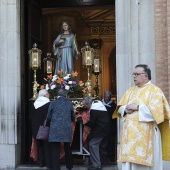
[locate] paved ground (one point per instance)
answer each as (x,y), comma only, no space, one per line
(78,164)
(76,167)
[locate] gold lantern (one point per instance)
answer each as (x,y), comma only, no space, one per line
(87,55)
(35,63)
(96,71)
(87,61)
(96,65)
(48,64)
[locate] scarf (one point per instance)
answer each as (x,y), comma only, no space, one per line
(40,102)
(107,104)
(98,105)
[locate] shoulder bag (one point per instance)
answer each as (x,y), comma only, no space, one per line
(43,131)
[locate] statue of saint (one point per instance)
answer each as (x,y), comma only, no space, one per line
(65,49)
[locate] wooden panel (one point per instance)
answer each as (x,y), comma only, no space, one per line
(32,34)
(36,24)
(75,3)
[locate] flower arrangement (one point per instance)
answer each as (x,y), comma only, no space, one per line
(53,83)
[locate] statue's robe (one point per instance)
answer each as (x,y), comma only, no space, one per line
(65,53)
(141,140)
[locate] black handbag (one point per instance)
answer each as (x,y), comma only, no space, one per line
(43,131)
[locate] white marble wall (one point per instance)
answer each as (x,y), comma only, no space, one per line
(10,84)
(135,44)
(135,40)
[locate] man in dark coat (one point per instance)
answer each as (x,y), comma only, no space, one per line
(38,114)
(108,145)
(99,124)
(61,115)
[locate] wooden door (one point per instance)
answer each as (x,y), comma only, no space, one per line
(31,34)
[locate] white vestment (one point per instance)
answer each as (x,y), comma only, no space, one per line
(146,116)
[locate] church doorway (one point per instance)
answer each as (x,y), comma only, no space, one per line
(92,21)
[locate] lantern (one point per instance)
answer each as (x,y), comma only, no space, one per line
(35,63)
(87,61)
(48,64)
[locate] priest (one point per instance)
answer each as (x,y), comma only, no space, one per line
(142,108)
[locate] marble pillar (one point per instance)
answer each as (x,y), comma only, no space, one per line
(10,85)
(135,43)
(135,40)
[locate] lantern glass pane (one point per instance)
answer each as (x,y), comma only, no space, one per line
(34,59)
(88,57)
(96,65)
(49,67)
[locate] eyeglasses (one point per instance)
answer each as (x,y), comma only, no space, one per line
(137,74)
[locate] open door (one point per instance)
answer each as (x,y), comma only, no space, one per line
(40,28)
(32,34)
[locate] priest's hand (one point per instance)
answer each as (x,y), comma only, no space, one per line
(132,106)
(128,111)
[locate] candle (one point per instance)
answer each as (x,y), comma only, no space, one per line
(88,58)
(96,65)
(49,67)
(35,60)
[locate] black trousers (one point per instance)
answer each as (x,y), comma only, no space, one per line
(55,147)
(44,153)
(103,151)
(112,146)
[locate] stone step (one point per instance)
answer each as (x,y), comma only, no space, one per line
(76,167)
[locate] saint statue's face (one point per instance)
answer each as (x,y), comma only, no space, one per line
(65,26)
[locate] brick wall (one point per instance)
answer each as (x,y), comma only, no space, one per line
(168,45)
(162,45)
